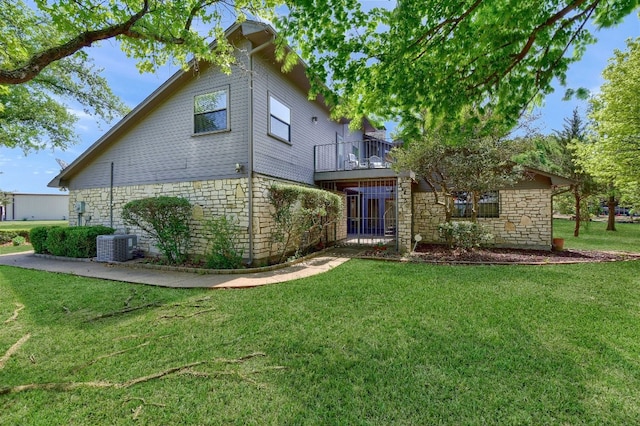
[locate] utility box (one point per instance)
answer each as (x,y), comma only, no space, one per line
(115,248)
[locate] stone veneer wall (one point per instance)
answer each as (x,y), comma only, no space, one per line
(525,218)
(209,198)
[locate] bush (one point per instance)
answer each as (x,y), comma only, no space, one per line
(81,240)
(57,241)
(464,234)
(7,235)
(78,241)
(224,251)
(166,219)
(18,241)
(301,215)
(38,237)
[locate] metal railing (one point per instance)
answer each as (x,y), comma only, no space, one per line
(365,154)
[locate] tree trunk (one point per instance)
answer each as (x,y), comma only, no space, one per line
(475,205)
(576,195)
(611,221)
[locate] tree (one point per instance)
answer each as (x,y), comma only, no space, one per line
(613,156)
(574,132)
(479,165)
(43,58)
(443,56)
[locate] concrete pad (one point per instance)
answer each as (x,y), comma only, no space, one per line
(164,278)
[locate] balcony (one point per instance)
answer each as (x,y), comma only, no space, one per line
(356,155)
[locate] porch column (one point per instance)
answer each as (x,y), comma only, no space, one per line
(404,214)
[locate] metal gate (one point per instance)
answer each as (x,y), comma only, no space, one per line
(371,210)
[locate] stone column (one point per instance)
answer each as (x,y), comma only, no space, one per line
(404,214)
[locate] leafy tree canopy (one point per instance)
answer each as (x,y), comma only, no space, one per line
(615,154)
(42,61)
(443,56)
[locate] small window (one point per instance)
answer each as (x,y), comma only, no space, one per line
(488,205)
(210,112)
(279,119)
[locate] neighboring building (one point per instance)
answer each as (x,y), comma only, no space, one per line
(222,140)
(36,207)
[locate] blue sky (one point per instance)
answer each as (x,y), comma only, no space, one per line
(31,173)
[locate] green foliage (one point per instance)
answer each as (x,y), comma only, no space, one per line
(613,156)
(82,240)
(76,241)
(18,241)
(225,250)
(56,242)
(463,234)
(9,235)
(33,114)
(407,57)
(165,219)
(301,216)
(38,236)
(480,164)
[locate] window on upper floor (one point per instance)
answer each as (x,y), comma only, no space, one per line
(211,111)
(488,205)
(279,120)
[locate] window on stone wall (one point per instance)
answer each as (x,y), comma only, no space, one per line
(488,205)
(279,120)
(211,112)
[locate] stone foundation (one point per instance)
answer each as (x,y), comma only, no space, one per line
(209,199)
(524,222)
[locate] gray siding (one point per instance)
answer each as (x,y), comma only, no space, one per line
(161,147)
(272,156)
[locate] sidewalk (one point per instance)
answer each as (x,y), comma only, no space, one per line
(140,275)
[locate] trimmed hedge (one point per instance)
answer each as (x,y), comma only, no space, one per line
(77,241)
(7,235)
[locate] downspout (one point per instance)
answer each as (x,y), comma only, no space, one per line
(111,198)
(250,141)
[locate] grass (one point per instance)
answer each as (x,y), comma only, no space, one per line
(593,236)
(28,224)
(367,343)
(8,249)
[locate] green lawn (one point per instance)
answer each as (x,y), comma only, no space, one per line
(367,343)
(28,224)
(593,236)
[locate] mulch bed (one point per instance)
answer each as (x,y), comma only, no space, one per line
(435,253)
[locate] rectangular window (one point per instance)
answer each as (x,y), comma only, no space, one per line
(210,112)
(488,204)
(279,119)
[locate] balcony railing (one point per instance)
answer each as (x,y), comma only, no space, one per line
(356,155)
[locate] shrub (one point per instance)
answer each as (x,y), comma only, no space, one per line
(18,241)
(7,235)
(81,240)
(38,237)
(166,219)
(77,241)
(301,214)
(464,234)
(225,251)
(56,242)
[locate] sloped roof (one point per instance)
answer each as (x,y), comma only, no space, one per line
(257,32)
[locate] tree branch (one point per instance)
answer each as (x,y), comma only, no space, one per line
(39,61)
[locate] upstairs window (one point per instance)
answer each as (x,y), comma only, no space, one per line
(279,120)
(210,112)
(488,204)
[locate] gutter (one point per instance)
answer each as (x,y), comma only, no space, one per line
(251,145)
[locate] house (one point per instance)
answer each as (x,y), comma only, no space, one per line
(35,207)
(222,140)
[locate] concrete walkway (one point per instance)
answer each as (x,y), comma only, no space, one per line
(140,275)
